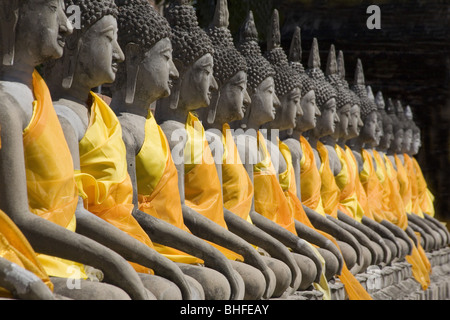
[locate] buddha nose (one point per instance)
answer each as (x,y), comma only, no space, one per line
(118,54)
(336,118)
(213,86)
(276,101)
(247,99)
(173,73)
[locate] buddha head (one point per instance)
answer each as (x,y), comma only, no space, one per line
(193,57)
(311,112)
(287,81)
(369,116)
(343,97)
(325,95)
(397,128)
(260,77)
(230,71)
(416,135)
(388,131)
(354,123)
(144,36)
(407,129)
(379,130)
(26,39)
(92,54)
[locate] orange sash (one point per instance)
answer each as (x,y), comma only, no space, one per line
(310,181)
(346,181)
(157,183)
(51,187)
(103,180)
(412,176)
(404,183)
(236,184)
(269,197)
(329,190)
(426,198)
(203,191)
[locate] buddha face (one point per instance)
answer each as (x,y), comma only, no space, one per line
(264,102)
(326,123)
(233,98)
(41,30)
(355,124)
(100,53)
(379,131)
(416,144)
(198,84)
(397,143)
(289,111)
(407,140)
(158,70)
(369,130)
(387,137)
(344,120)
(310,110)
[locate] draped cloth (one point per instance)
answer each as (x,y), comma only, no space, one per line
(347,183)
(404,184)
(203,191)
(236,184)
(412,176)
(426,197)
(288,184)
(354,289)
(157,184)
(310,181)
(52,191)
(15,247)
(329,190)
(372,186)
(391,200)
(270,200)
(103,179)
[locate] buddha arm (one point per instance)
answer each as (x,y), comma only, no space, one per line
(22,283)
(47,237)
(371,234)
(439,226)
(425,225)
(314,237)
(360,236)
(328,226)
(258,237)
(398,232)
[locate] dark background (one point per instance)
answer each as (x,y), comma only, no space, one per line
(407,59)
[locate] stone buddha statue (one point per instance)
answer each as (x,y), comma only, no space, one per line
(376,217)
(230,72)
(94,135)
(325,126)
(200,184)
(146,76)
(42,202)
(288,85)
(254,148)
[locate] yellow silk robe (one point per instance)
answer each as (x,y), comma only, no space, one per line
(312,191)
(157,184)
(103,179)
(270,200)
(203,191)
(236,184)
(51,187)
(426,198)
(329,190)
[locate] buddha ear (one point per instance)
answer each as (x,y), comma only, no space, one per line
(71,54)
(132,63)
(9,15)
(174,97)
